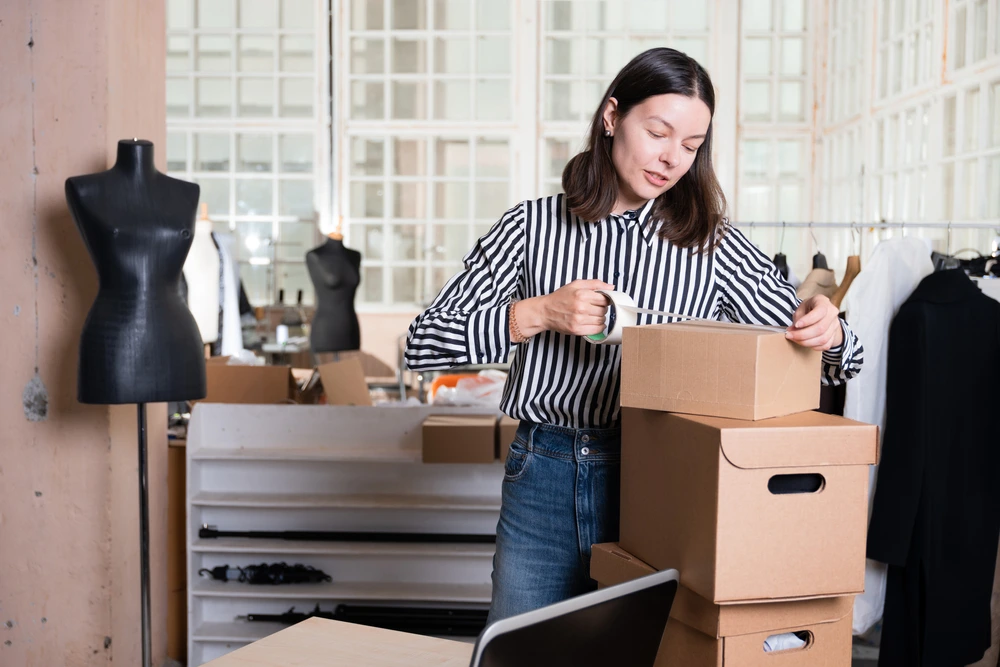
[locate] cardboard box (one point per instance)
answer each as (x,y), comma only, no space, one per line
(344,382)
(249,384)
(748,510)
(702,634)
(459,438)
(718,369)
(506,430)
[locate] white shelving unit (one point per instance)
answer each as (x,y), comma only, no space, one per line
(332,468)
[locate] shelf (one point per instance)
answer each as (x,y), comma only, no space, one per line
(237,631)
(236,545)
(347,501)
(337,454)
(343,591)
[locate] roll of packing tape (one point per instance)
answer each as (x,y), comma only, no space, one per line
(621,313)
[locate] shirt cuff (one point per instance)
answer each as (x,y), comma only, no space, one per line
(488,334)
(835,355)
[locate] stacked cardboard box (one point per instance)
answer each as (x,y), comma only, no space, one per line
(729,476)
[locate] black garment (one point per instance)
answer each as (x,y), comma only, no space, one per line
(335,271)
(936,514)
(140,343)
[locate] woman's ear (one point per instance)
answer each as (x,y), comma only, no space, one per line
(610,116)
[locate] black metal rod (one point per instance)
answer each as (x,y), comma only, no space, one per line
(209,532)
(147,652)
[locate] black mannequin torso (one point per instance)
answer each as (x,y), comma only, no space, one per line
(139,343)
(335,272)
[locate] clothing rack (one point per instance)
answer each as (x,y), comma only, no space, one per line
(874,225)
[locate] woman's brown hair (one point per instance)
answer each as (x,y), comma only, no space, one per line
(692,211)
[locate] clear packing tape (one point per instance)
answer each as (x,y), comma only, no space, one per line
(623,312)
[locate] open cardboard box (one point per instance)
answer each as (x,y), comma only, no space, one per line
(342,383)
(459,438)
(748,510)
(702,634)
(717,369)
(506,430)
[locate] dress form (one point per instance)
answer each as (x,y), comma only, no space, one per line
(202,272)
(139,343)
(335,271)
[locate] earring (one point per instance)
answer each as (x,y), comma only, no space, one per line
(607,133)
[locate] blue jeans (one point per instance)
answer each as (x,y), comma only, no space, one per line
(560,496)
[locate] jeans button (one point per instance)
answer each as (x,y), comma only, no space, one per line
(585,451)
(585,438)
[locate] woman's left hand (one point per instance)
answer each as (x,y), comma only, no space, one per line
(816,324)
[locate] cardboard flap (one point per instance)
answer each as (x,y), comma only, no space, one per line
(725,327)
(344,382)
(803,440)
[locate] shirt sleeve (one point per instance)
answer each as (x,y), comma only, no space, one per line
(754,292)
(468,321)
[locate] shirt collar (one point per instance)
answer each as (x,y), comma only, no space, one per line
(642,215)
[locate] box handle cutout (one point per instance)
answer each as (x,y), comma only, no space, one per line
(797,483)
(788,642)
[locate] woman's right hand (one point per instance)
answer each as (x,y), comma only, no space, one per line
(575,309)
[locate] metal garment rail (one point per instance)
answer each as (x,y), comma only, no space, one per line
(874,225)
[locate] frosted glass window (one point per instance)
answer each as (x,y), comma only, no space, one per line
(367,100)
(756,58)
(451,14)
(367,200)
(372,241)
(367,14)
(256,97)
(994,112)
(409,200)
(409,14)
(493,55)
(648,15)
(215,13)
(897,66)
(409,100)
(253,197)
(409,56)
(214,97)
(297,53)
(409,157)
(298,14)
(452,100)
(453,55)
(178,97)
(373,284)
(493,15)
(793,15)
(452,158)
(211,152)
(792,56)
(687,15)
(695,47)
(789,201)
(295,153)
(367,157)
(215,53)
(178,14)
(178,53)
(949,128)
(756,158)
(257,13)
(215,193)
(256,53)
(451,200)
(253,153)
(970,177)
(755,203)
(491,200)
(981,23)
(791,100)
(959,42)
(993,187)
(493,100)
(407,284)
(789,158)
(492,158)
(407,242)
(367,56)
(295,198)
(971,126)
(757,100)
(176,151)
(756,14)
(557,154)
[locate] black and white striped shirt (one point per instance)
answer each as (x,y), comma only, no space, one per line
(539,246)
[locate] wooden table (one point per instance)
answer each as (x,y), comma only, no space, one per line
(321,642)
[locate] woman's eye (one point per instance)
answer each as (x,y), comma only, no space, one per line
(655,135)
(690,150)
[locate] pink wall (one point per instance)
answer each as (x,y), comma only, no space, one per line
(74,78)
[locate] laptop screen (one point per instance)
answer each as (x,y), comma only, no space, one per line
(620,625)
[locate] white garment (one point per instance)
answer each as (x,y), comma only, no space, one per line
(783,642)
(232,330)
(793,279)
(201,271)
(989,286)
(893,271)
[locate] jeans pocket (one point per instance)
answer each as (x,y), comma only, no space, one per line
(516,464)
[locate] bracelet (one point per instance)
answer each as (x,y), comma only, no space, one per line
(515,331)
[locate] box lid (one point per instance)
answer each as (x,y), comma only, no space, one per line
(489,421)
(610,565)
(805,439)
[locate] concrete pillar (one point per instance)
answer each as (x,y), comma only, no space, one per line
(75,77)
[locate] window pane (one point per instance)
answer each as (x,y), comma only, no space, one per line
(367,100)
(756,14)
(409,200)
(176,151)
(560,57)
(257,13)
(452,100)
(789,158)
(451,201)
(215,53)
(211,152)
(178,14)
(897,66)
(949,126)
(686,15)
(409,14)
(367,200)
(452,55)
(789,196)
(971,127)
(297,53)
(756,56)
(757,100)
(367,56)
(253,153)
(215,193)
(493,55)
(256,53)
(958,62)
(178,97)
(755,203)
(993,187)
(452,158)
(295,153)
(367,14)
(793,15)
(971,177)
(694,47)
(256,97)
(296,198)
(253,197)
(215,13)
(450,242)
(492,15)
(791,100)
(557,154)
(994,110)
(948,190)
(409,56)
(295,239)
(369,240)
(648,15)
(981,22)
(214,98)
(756,158)
(492,158)
(298,14)
(493,99)
(407,285)
(559,101)
(491,200)
(178,53)
(409,157)
(793,56)
(372,284)
(407,242)
(900,18)
(409,100)
(452,14)
(367,156)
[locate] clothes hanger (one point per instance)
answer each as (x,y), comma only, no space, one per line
(780,261)
(850,272)
(819,259)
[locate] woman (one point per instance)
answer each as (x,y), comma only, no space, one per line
(642,213)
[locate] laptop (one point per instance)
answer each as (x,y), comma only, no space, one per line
(618,625)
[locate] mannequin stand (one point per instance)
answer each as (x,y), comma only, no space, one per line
(144,536)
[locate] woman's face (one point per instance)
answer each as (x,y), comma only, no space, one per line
(654,145)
